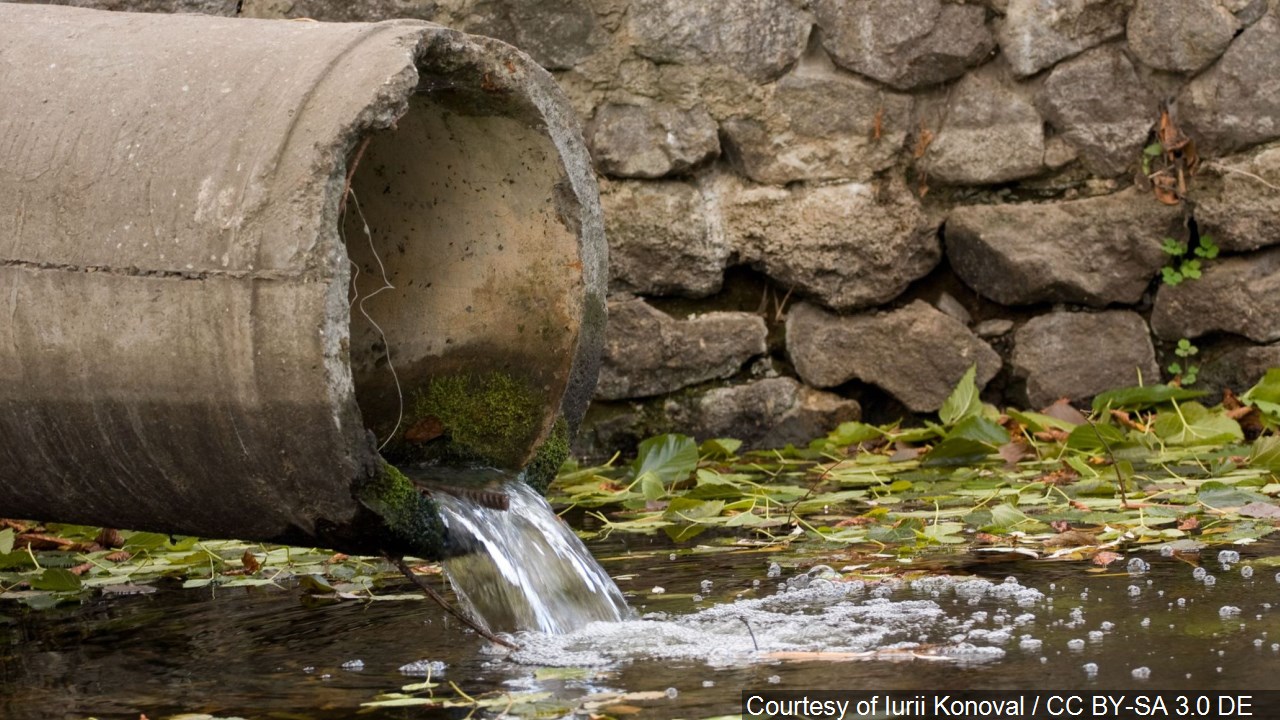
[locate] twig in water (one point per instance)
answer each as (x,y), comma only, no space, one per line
(431,593)
(750,632)
(1124,501)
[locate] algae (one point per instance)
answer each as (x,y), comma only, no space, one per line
(550,456)
(408,513)
(491,417)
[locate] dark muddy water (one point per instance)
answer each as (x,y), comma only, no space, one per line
(273,653)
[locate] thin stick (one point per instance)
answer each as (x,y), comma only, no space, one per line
(1220,167)
(431,593)
(751,632)
(1114,463)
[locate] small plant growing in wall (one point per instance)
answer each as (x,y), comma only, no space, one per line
(1184,262)
(1185,374)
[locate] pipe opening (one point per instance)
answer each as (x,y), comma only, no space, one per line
(464,280)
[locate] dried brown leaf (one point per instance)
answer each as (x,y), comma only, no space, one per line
(1062,410)
(1104,558)
(1073,538)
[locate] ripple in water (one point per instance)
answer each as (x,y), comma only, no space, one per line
(529,570)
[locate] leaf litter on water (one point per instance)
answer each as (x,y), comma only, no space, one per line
(977,479)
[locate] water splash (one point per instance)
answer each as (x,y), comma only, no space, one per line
(528,570)
(811,620)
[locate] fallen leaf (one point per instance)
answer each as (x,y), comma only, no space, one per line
(1075,538)
(1060,526)
(41,541)
(1260,510)
(1061,476)
(251,564)
(923,141)
(1123,418)
(1105,557)
(853,522)
(426,429)
(1012,452)
(1230,401)
(119,556)
(1062,410)
(1190,522)
(81,568)
(1053,435)
(1165,188)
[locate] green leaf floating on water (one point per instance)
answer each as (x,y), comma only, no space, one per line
(1266,394)
(1220,495)
(1096,437)
(56,580)
(1193,424)
(1134,398)
(667,458)
(6,541)
(720,448)
(963,401)
(971,440)
(1265,454)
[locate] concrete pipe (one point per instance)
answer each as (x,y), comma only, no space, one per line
(242,260)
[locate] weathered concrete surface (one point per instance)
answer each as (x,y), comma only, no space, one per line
(916,353)
(193,342)
(648,352)
(1238,295)
(1095,251)
(1077,355)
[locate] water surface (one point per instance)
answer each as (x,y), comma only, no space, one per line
(274,652)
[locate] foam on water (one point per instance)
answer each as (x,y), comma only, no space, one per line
(841,620)
(529,571)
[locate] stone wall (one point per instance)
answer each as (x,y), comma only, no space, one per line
(824,209)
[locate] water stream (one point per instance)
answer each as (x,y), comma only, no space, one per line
(528,570)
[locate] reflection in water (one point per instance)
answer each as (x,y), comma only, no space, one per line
(528,570)
(271,652)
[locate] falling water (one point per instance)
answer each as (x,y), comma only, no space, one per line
(527,570)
